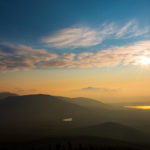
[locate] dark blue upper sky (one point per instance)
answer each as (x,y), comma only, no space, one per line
(26,21)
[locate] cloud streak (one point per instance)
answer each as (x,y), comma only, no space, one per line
(130,30)
(84,36)
(21,57)
(75,37)
(94,89)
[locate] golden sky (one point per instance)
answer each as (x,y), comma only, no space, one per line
(96,83)
(101,51)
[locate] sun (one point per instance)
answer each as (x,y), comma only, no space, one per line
(144,60)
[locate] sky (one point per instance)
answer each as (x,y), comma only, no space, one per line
(98,49)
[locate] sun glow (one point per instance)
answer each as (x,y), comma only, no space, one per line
(144,60)
(138,107)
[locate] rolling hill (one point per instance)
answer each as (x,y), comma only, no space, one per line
(32,117)
(114,130)
(6,94)
(86,102)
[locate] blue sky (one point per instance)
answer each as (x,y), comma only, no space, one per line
(72,34)
(70,28)
(26,22)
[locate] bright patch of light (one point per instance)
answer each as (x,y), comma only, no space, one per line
(144,60)
(138,107)
(67,120)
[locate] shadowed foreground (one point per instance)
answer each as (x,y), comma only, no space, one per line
(74,143)
(36,122)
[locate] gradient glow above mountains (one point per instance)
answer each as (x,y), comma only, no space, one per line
(65,47)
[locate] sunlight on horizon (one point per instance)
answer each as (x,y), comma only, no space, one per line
(138,107)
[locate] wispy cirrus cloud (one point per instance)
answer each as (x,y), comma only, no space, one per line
(130,30)
(20,57)
(124,29)
(77,37)
(84,36)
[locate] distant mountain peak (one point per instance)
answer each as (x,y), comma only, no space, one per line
(6,94)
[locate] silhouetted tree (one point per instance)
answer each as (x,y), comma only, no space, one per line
(91,147)
(63,147)
(58,146)
(49,147)
(69,146)
(80,147)
(3,148)
(32,148)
